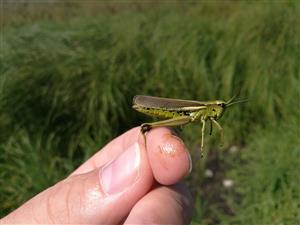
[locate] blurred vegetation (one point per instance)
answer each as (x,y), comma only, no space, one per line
(68,72)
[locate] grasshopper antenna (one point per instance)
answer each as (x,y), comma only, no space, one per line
(237,101)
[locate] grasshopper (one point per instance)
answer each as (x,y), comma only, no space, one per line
(178,112)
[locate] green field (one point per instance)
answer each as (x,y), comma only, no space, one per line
(68,76)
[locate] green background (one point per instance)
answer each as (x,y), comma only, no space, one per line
(69,71)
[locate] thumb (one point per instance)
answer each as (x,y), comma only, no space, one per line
(104,195)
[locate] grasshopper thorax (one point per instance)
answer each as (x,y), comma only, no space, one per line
(216,110)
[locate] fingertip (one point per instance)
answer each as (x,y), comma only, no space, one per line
(169,159)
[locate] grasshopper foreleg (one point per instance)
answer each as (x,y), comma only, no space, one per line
(220,129)
(202,136)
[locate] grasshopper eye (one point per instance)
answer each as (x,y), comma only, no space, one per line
(221,104)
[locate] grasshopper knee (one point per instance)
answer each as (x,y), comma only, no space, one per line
(145,127)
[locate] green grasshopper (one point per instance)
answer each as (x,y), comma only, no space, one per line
(179,112)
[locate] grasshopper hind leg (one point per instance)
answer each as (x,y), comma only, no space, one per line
(178,121)
(145,127)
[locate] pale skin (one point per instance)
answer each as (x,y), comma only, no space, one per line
(124,183)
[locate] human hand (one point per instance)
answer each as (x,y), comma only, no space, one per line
(122,183)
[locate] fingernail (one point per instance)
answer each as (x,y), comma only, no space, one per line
(122,172)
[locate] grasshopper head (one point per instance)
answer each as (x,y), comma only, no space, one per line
(216,110)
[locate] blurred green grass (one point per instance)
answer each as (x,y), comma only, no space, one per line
(67,82)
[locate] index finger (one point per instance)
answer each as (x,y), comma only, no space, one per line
(167,155)
(169,159)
